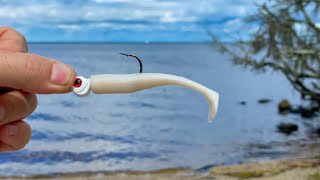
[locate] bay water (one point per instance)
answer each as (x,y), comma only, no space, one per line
(162,127)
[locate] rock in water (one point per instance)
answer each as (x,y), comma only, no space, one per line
(284,106)
(317,131)
(307,113)
(287,128)
(264,101)
(243,103)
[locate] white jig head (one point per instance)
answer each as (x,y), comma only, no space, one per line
(81,86)
(128,83)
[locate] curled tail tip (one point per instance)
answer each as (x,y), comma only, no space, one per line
(211,115)
(213,105)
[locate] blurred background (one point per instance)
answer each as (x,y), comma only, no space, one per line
(261,58)
(124,20)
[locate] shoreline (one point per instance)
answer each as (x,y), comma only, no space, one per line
(300,168)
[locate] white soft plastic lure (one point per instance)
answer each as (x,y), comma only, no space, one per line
(128,83)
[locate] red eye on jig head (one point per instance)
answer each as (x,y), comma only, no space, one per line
(77,83)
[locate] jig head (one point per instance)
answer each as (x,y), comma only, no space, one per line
(128,83)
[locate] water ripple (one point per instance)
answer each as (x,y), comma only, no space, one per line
(45,116)
(68,104)
(51,136)
(52,157)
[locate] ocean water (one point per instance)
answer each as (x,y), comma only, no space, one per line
(161,127)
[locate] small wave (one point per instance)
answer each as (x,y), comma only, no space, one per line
(45,116)
(137,104)
(51,136)
(53,157)
(68,104)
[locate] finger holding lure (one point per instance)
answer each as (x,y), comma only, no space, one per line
(129,83)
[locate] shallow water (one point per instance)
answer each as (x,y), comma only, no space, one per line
(158,128)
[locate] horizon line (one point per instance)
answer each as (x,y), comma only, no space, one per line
(120,42)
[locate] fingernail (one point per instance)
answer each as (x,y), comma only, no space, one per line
(60,74)
(12,130)
(2,113)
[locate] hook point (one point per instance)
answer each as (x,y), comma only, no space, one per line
(131,55)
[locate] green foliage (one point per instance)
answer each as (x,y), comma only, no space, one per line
(287,40)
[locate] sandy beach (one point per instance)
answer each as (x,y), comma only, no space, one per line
(299,169)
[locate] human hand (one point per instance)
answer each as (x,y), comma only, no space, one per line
(22,75)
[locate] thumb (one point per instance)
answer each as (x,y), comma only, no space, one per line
(35,74)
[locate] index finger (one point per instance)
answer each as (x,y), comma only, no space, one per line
(12,40)
(35,74)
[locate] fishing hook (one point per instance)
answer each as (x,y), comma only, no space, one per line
(131,55)
(129,83)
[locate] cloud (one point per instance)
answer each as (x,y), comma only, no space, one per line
(125,15)
(69,27)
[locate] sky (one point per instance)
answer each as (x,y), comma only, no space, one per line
(125,20)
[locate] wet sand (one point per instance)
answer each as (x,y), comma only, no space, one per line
(304,168)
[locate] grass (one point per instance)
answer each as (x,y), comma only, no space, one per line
(247,174)
(315,176)
(161,171)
